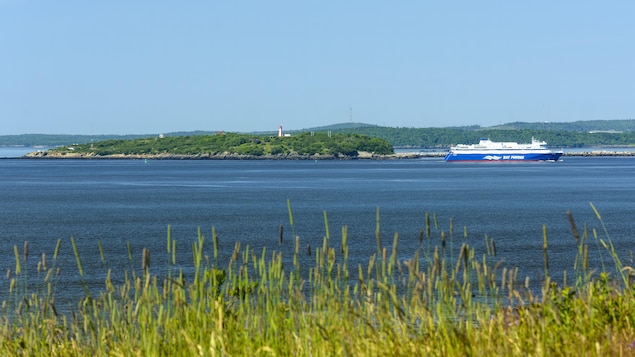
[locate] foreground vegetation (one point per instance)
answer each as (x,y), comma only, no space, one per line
(348,145)
(442,301)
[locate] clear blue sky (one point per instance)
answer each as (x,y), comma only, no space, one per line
(137,67)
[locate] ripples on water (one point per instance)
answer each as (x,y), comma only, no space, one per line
(116,202)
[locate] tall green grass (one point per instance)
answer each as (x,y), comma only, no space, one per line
(445,300)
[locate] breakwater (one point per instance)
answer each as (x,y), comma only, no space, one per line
(599,153)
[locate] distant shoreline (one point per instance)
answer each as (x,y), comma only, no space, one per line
(43,155)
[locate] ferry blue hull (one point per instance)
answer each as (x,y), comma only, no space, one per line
(500,157)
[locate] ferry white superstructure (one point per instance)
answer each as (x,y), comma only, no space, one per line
(487,150)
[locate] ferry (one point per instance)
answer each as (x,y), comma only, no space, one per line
(487,150)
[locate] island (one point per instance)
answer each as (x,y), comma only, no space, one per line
(223,145)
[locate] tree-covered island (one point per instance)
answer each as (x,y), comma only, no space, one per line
(231,145)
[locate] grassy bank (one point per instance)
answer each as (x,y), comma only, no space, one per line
(445,300)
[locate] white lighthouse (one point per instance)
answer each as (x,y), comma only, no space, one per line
(280,131)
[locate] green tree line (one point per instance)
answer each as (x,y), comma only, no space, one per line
(570,134)
(445,137)
(581,125)
(52,140)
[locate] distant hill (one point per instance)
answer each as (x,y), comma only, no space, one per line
(578,126)
(578,133)
(621,125)
(53,140)
(332,127)
(341,126)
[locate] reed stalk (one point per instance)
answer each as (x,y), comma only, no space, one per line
(431,303)
(378,231)
(545,255)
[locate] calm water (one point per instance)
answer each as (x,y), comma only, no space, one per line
(116,202)
(6,152)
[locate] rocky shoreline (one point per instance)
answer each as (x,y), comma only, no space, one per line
(224,156)
(227,156)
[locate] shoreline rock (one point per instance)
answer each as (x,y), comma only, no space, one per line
(226,156)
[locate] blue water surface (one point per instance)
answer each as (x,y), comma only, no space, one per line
(116,202)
